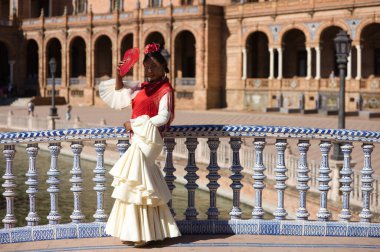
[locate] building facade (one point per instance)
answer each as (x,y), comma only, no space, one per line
(243,55)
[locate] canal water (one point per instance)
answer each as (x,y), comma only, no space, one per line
(88,196)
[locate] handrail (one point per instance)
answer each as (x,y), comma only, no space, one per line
(203,131)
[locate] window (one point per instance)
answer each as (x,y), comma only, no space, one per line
(154,3)
(186,2)
(81,6)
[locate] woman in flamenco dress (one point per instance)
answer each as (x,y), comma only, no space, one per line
(140,213)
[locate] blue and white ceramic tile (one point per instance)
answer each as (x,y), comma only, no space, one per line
(270,227)
(23,234)
(358,229)
(291,227)
(374,230)
(66,231)
(223,227)
(88,230)
(317,228)
(41,233)
(336,229)
(5,237)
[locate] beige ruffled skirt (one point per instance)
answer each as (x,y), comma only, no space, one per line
(140,212)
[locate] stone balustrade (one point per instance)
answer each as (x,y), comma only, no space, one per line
(305,223)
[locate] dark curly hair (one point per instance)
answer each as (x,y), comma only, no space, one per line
(157,56)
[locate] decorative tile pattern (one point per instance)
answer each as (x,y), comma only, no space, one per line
(41,233)
(23,234)
(223,227)
(68,231)
(5,237)
(358,229)
(292,227)
(374,230)
(254,227)
(193,131)
(336,229)
(270,227)
(88,230)
(313,228)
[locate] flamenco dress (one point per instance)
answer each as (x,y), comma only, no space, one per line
(140,212)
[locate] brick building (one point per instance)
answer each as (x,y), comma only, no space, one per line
(254,55)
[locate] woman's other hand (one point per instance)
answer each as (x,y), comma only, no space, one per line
(127,126)
(121,62)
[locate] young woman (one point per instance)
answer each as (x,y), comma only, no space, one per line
(140,212)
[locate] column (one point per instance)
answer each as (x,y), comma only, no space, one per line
(308,49)
(303,178)
(11,64)
(324,178)
(244,51)
(100,180)
(280,170)
(318,63)
(77,216)
(54,217)
(213,176)
(259,177)
(191,177)
(9,186)
(359,60)
(169,144)
(50,8)
(236,178)
(345,182)
(271,63)
(32,219)
(74,2)
(367,183)
(279,50)
(349,66)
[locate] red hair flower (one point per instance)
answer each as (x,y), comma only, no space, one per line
(151,48)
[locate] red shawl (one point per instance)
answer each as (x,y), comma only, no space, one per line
(147,101)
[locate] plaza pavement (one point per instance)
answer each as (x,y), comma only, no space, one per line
(93,114)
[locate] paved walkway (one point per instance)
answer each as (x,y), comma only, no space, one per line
(215,116)
(218,243)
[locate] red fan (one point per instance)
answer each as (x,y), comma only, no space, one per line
(130,57)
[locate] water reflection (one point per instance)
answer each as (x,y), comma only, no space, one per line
(88,196)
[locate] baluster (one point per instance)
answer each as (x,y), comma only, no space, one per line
(9,185)
(324,179)
(77,216)
(280,213)
(346,180)
(213,176)
(303,179)
(32,174)
(169,168)
(122,146)
(191,176)
(100,180)
(367,183)
(54,217)
(259,177)
(236,178)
